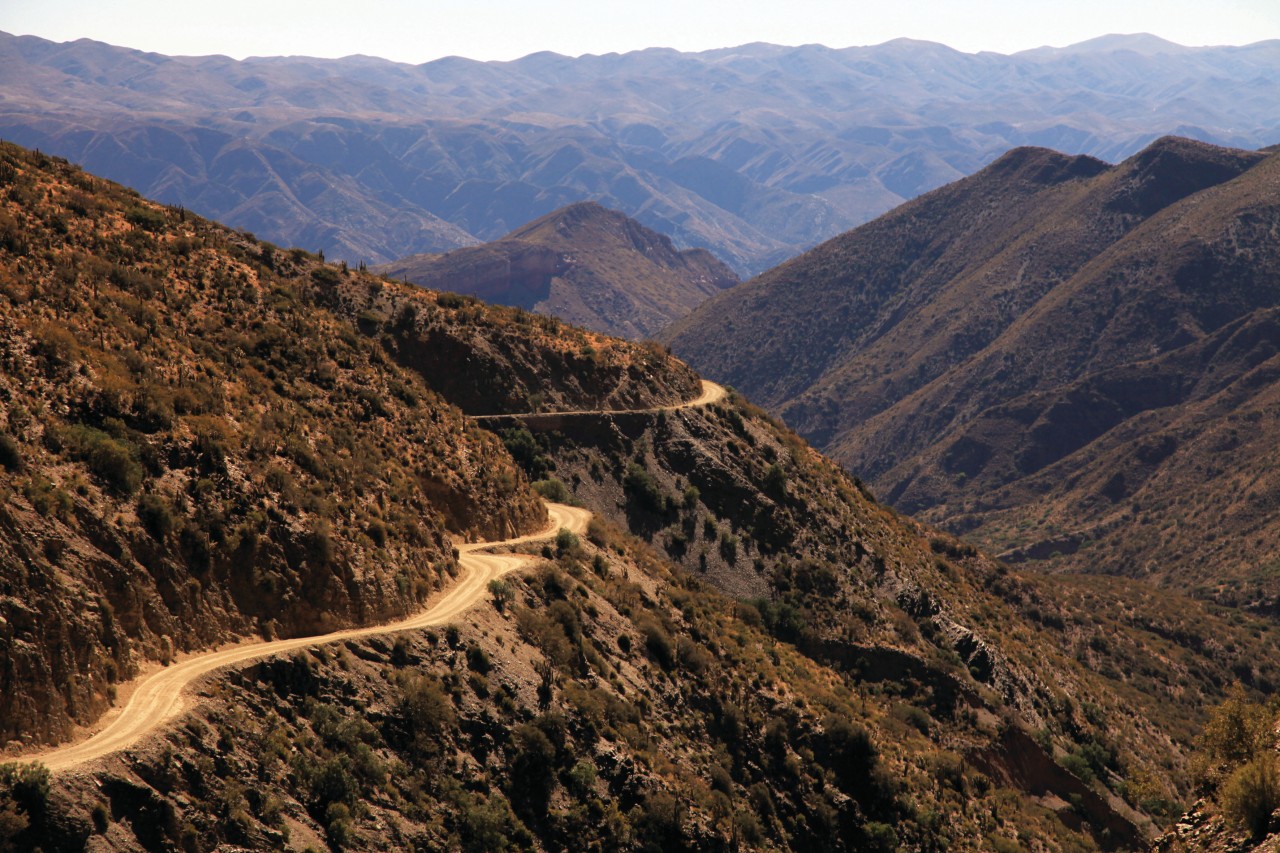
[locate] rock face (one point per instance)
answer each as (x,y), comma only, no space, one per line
(585,264)
(1050,356)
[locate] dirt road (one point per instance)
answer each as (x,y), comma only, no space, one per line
(159,697)
(711,393)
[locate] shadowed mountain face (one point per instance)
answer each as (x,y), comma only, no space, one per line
(754,152)
(585,264)
(1072,362)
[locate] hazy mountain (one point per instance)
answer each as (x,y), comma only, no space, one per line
(585,264)
(1070,361)
(754,152)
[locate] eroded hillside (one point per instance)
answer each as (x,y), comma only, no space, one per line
(1065,361)
(206,437)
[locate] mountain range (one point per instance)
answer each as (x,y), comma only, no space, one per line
(754,152)
(585,264)
(206,439)
(1070,362)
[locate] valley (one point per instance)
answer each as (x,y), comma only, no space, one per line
(1055,357)
(841,675)
(431,534)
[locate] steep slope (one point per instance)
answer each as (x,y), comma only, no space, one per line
(755,152)
(1026,369)
(585,264)
(870,685)
(205,437)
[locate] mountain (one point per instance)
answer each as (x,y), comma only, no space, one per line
(755,152)
(1070,362)
(585,264)
(198,444)
(209,439)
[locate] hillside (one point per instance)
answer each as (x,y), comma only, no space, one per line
(755,152)
(1053,356)
(587,265)
(208,438)
(199,442)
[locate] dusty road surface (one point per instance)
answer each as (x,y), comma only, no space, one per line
(159,697)
(711,393)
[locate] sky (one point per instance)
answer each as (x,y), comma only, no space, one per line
(408,31)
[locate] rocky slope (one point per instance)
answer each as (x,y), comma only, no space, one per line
(746,651)
(585,264)
(755,152)
(1049,356)
(205,437)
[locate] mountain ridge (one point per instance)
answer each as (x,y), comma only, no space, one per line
(998,388)
(754,153)
(586,264)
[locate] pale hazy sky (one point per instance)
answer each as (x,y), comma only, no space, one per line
(410,31)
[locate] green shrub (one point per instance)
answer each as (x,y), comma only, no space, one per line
(10,453)
(775,480)
(658,643)
(145,218)
(478,660)
(24,794)
(532,771)
(112,460)
(502,593)
(155,515)
(552,489)
(644,489)
(567,541)
(528,453)
(1251,794)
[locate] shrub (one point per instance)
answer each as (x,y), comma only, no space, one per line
(641,485)
(426,714)
(488,825)
(1252,794)
(502,593)
(1237,729)
(729,547)
(101,818)
(319,545)
(527,452)
(478,660)
(155,515)
(775,480)
(658,643)
(567,541)
(532,770)
(24,792)
(552,489)
(115,463)
(145,218)
(10,453)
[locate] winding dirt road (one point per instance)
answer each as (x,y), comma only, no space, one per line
(158,697)
(711,393)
